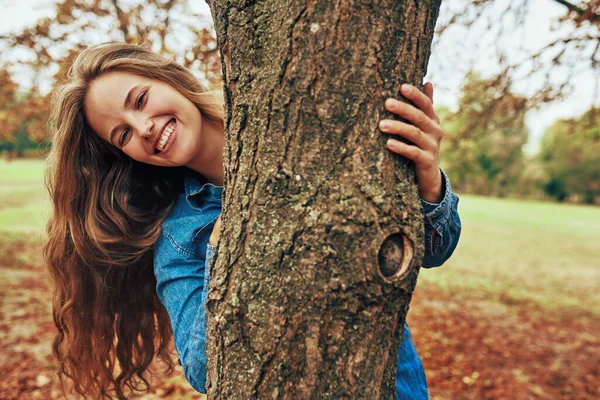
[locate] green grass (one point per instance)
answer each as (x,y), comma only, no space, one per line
(509,251)
(23,200)
(525,251)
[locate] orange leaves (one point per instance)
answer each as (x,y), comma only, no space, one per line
(9,119)
(9,122)
(479,349)
(8,89)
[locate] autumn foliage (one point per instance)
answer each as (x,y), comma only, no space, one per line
(48,48)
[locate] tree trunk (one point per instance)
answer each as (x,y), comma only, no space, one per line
(322,226)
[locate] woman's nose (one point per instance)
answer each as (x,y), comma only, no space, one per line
(145,128)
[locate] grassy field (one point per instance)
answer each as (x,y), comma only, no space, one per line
(510,250)
(525,251)
(23,201)
(514,313)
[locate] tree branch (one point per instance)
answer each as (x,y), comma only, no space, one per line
(167,21)
(120,17)
(594,17)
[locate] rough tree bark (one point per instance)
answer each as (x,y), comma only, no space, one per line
(322,226)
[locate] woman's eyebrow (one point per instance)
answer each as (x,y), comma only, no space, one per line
(125,105)
(128,98)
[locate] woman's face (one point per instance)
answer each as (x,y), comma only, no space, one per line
(148,120)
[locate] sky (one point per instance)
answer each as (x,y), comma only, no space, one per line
(16,14)
(534,33)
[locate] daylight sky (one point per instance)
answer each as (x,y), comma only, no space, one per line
(15,14)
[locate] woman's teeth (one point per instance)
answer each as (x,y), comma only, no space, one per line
(164,139)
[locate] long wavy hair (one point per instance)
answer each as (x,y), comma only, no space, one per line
(107,213)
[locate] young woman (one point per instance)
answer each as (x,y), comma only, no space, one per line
(135,177)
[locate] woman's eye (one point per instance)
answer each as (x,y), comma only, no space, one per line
(124,136)
(140,100)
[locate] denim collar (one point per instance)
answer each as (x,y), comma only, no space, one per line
(198,191)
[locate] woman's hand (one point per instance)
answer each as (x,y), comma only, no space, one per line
(216,232)
(423,135)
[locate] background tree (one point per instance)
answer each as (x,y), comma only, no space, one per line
(47,49)
(570,155)
(9,119)
(165,25)
(483,147)
(22,117)
(492,32)
(322,229)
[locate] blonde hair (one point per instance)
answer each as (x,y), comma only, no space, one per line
(107,213)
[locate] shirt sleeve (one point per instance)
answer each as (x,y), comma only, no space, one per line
(442,227)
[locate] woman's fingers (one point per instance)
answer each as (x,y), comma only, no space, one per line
(422,100)
(413,114)
(408,132)
(420,157)
(419,99)
(428,90)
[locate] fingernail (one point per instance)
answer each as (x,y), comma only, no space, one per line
(383,125)
(391,143)
(391,103)
(406,88)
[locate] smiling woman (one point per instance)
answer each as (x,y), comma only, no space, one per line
(107,209)
(129,241)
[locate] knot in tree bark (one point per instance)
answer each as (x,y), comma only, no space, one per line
(395,256)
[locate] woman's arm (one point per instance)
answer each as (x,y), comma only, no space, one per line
(442,227)
(422,139)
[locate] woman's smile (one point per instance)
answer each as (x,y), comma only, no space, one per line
(167,137)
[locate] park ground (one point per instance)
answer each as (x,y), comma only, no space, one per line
(515,313)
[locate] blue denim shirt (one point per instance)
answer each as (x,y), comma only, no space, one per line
(181,260)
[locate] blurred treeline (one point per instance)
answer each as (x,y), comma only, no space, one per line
(483,150)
